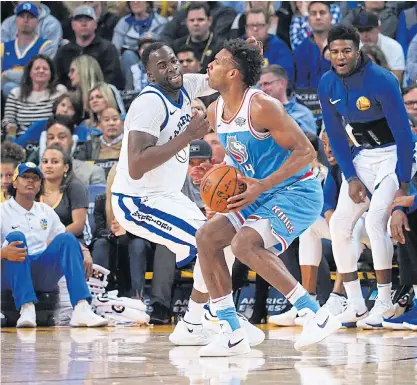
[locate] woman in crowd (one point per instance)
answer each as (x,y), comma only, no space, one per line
(376,55)
(62,191)
(11,155)
(33,100)
(84,73)
(100,97)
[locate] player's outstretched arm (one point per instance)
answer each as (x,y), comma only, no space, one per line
(144,155)
(268,113)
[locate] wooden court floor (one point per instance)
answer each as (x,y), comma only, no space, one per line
(143,356)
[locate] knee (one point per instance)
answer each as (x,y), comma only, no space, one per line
(244,247)
(376,223)
(203,235)
(66,239)
(339,226)
(16,236)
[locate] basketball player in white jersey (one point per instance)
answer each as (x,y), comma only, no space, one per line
(147,199)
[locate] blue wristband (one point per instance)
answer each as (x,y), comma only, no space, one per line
(352,178)
(402,208)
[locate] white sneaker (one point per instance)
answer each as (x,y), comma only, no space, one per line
(336,304)
(255,335)
(303,316)
(187,334)
(352,314)
(316,328)
(227,343)
(27,317)
(83,316)
(380,311)
(284,319)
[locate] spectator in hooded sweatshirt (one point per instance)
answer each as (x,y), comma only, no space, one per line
(141,23)
(275,50)
(48,28)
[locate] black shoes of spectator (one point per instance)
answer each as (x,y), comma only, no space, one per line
(160,315)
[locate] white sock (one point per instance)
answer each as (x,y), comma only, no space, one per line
(194,312)
(222,303)
(384,292)
(295,294)
(314,296)
(354,293)
(81,302)
(415,290)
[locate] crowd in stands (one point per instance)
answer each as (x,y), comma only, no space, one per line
(71,69)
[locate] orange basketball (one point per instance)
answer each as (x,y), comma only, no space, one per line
(218,185)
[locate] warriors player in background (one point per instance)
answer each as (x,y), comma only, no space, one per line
(281,201)
(147,199)
(367,97)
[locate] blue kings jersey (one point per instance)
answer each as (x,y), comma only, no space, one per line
(14,59)
(255,154)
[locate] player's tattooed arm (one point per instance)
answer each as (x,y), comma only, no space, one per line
(268,114)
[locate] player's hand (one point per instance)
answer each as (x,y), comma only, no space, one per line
(257,43)
(209,212)
(254,188)
(399,221)
(357,191)
(404,201)
(198,127)
(197,173)
(88,263)
(12,252)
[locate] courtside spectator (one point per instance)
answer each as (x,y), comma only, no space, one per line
(36,252)
(407,28)
(190,64)
(412,60)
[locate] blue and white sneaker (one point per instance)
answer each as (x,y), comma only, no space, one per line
(382,311)
(399,323)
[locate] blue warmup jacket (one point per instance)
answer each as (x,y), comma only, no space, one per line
(370,100)
(331,188)
(277,52)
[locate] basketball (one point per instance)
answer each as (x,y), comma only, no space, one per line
(218,185)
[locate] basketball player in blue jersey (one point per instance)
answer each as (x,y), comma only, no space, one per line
(281,201)
(147,199)
(367,97)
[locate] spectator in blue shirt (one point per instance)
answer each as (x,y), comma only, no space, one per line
(274,82)
(310,61)
(275,50)
(407,28)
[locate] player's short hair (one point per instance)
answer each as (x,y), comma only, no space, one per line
(248,59)
(276,70)
(344,32)
(196,5)
(321,2)
(149,50)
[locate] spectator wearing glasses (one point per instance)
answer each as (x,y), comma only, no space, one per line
(410,101)
(275,50)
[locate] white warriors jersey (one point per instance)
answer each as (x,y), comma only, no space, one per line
(155,113)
